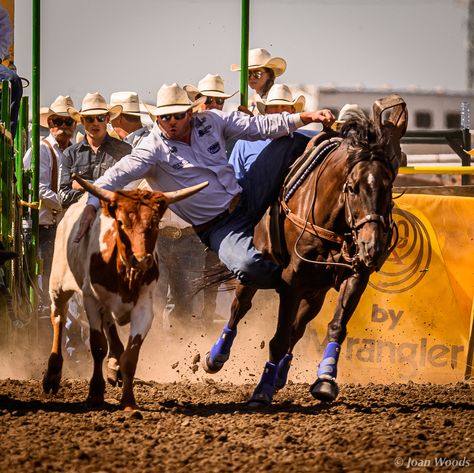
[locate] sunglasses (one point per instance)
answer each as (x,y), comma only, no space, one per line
(218,100)
(57,122)
(256,74)
(93,118)
(177,116)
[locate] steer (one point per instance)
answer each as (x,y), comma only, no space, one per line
(115,269)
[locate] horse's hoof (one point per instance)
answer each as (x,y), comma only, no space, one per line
(255,405)
(325,390)
(210,366)
(51,382)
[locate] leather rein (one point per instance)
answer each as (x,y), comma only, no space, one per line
(347,240)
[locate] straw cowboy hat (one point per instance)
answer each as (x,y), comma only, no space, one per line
(94,104)
(212,86)
(172,99)
(346,111)
(260,57)
(58,107)
(130,103)
(280,94)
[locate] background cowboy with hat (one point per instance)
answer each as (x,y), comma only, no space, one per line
(61,130)
(279,100)
(212,87)
(128,125)
(263,68)
(96,152)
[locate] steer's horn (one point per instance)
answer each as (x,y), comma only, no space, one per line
(183,193)
(102,194)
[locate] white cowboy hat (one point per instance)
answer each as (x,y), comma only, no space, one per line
(260,57)
(94,104)
(172,99)
(58,107)
(347,110)
(130,103)
(280,94)
(211,86)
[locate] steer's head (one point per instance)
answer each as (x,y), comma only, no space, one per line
(137,214)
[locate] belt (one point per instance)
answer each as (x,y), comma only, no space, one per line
(175,233)
(228,211)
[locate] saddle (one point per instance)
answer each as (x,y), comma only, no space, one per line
(318,148)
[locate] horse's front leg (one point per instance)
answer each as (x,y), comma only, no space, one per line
(141,319)
(325,387)
(52,376)
(279,347)
(220,351)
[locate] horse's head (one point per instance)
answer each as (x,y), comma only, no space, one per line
(372,166)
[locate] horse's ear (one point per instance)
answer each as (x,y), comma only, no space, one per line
(391,111)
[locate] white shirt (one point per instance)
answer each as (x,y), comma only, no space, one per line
(49,198)
(136,137)
(170,165)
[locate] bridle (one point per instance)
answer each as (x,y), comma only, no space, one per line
(349,245)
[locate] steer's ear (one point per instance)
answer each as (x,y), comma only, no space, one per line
(175,196)
(102,194)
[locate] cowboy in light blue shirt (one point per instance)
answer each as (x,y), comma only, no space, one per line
(185,149)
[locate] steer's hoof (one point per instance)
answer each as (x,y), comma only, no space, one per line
(325,390)
(95,400)
(51,382)
(210,366)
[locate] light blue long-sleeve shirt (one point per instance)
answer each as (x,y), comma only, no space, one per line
(170,165)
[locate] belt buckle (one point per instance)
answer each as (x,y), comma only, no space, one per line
(174,233)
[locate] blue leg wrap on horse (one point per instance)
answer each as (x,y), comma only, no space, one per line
(220,351)
(282,370)
(266,387)
(328,365)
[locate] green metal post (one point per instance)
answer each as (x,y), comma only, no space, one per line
(21,145)
(6,178)
(35,139)
(244,53)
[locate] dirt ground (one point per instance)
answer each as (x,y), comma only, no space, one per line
(191,421)
(206,427)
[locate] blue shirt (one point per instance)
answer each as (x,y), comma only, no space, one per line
(170,165)
(244,154)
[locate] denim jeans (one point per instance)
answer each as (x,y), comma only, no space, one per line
(16,94)
(180,261)
(232,237)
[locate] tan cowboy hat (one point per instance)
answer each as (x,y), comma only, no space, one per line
(211,86)
(172,99)
(260,57)
(130,103)
(280,94)
(94,104)
(58,107)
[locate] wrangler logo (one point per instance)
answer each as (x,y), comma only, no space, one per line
(214,148)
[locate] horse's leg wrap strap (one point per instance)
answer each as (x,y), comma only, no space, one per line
(220,351)
(328,365)
(282,370)
(266,387)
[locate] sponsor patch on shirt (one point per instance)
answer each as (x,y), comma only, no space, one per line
(205,130)
(214,148)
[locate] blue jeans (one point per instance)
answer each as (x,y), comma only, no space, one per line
(232,237)
(16,94)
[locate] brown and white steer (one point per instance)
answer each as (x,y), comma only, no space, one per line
(115,270)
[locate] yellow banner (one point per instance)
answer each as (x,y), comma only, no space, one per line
(413,321)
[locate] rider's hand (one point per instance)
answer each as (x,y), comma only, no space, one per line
(244,109)
(323,116)
(87,219)
(76,186)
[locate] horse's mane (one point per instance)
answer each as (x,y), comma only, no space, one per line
(365,141)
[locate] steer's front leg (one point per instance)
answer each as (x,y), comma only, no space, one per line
(140,323)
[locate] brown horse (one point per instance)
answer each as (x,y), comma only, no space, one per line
(337,230)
